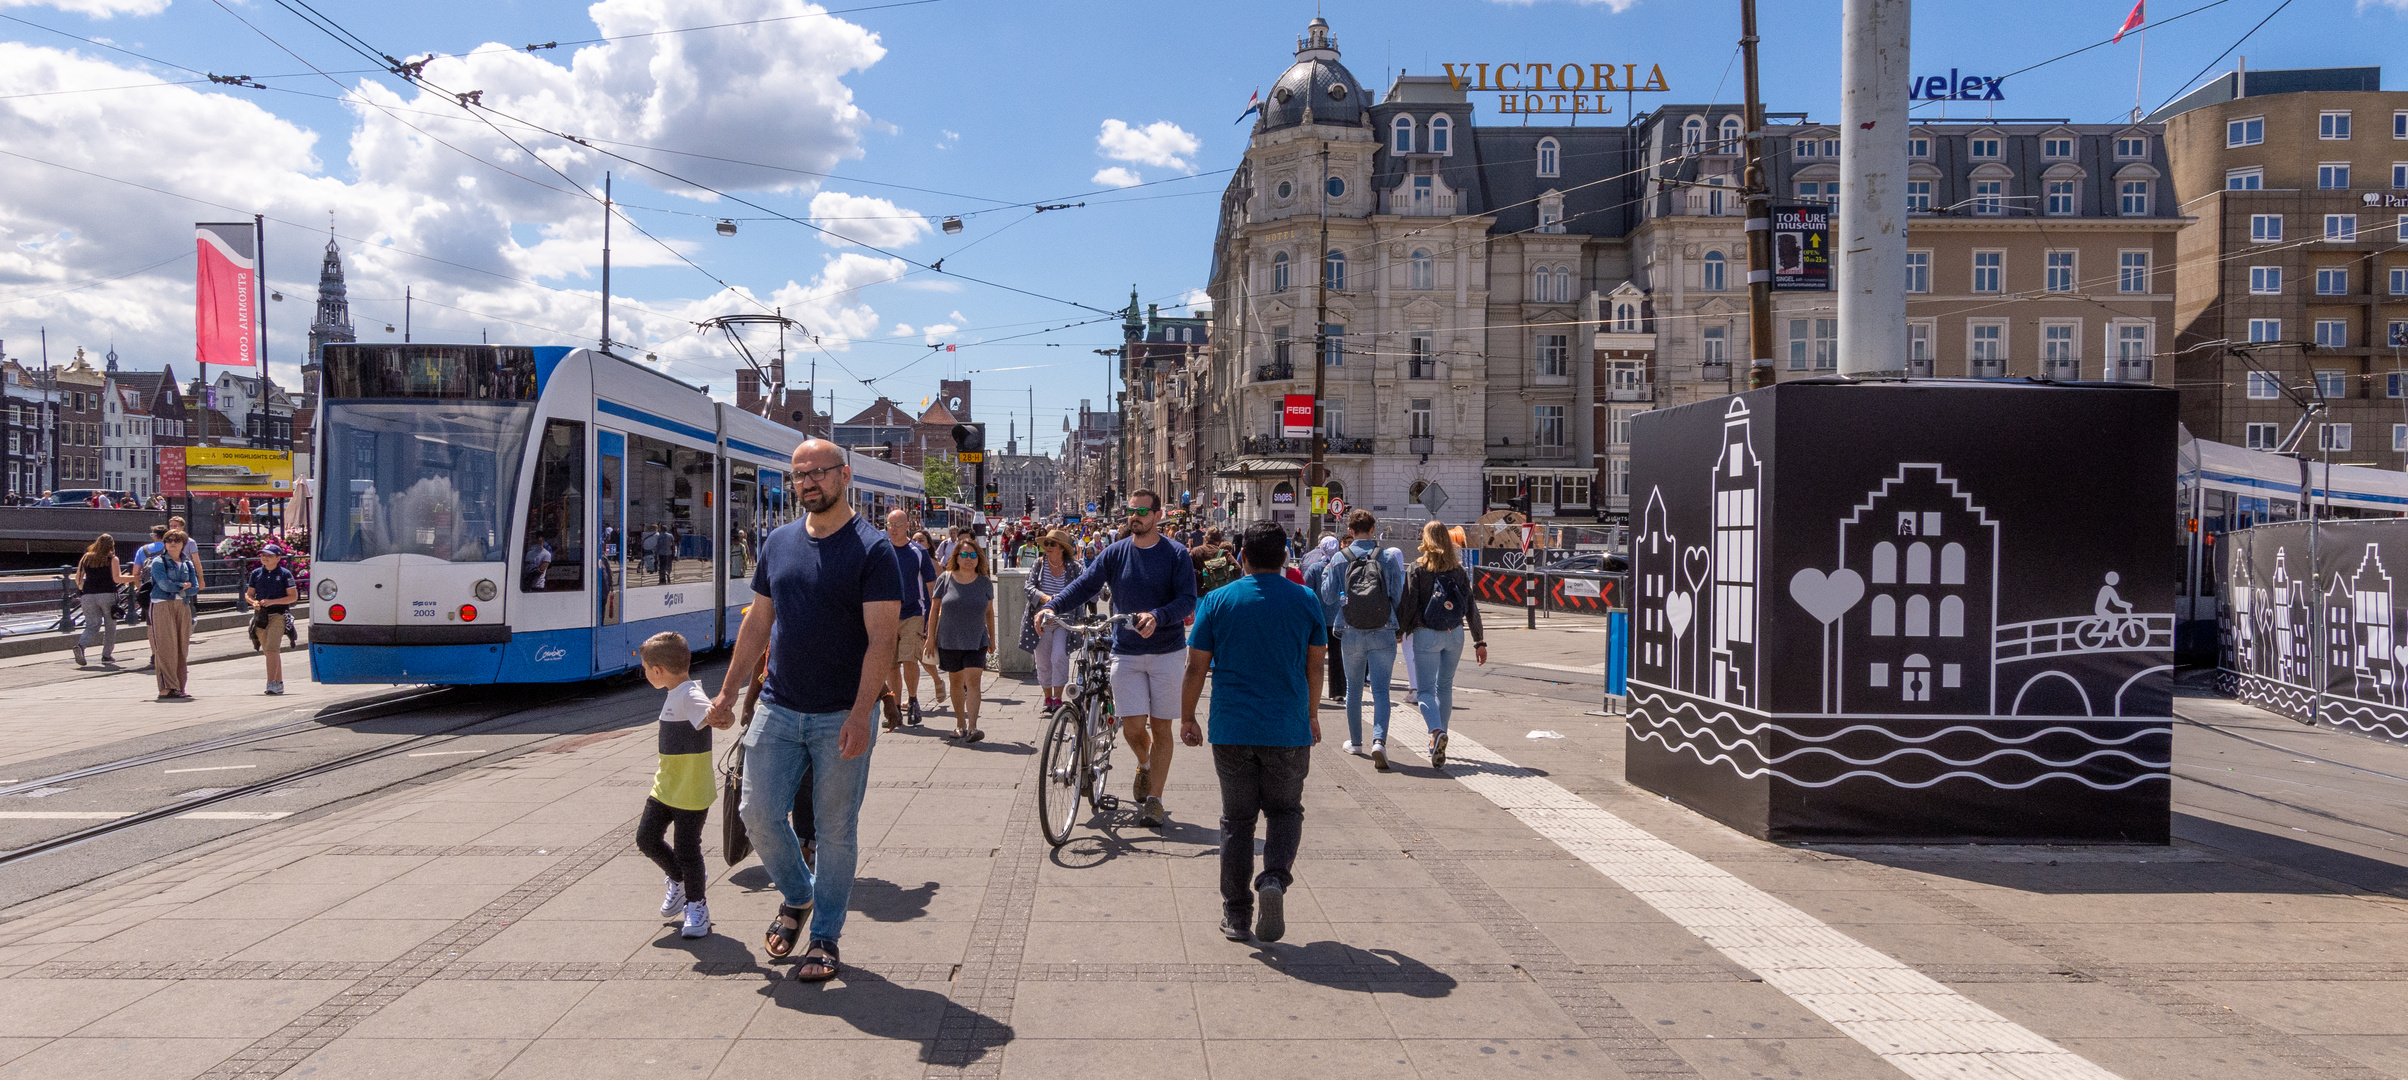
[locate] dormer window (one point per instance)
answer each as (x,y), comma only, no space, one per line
(2056,148)
(2136,147)
(1918,147)
(1403,143)
(1693,135)
(1626,318)
(1551,213)
(1548,153)
(1985,148)
(1730,134)
(1440,129)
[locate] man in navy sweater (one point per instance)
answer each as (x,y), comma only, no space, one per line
(1152,578)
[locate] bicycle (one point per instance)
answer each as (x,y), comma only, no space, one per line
(1077,753)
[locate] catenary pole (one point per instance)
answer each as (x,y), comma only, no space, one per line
(1314,467)
(606,263)
(1759,216)
(1871,222)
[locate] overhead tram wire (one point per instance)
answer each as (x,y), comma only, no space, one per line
(2167,21)
(2228,50)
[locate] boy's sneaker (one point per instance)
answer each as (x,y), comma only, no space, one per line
(1437,749)
(676,900)
(1270,910)
(276,689)
(1350,748)
(1379,754)
(698,921)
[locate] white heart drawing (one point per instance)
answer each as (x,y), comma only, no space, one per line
(1826,597)
(1694,564)
(2400,652)
(1679,608)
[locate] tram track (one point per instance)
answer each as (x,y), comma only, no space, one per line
(385,706)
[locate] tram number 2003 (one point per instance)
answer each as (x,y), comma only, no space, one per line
(424,609)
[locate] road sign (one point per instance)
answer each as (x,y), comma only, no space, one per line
(972,457)
(1433,497)
(1320,500)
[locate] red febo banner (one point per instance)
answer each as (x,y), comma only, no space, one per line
(225,308)
(1296,417)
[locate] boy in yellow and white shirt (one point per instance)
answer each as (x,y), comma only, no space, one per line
(683,787)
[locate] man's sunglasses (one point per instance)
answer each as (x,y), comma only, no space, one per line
(1144,511)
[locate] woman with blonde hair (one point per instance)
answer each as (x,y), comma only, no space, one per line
(1436,607)
(1056,567)
(963,615)
(98,574)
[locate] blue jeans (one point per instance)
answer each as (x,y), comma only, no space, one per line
(1435,654)
(779,748)
(1369,653)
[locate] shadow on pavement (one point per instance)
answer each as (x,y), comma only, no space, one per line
(2197,865)
(885,901)
(1343,967)
(888,1010)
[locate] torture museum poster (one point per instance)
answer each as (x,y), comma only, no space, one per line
(1907,611)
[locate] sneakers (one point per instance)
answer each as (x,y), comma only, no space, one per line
(1153,816)
(1233,927)
(1145,780)
(894,711)
(276,689)
(1379,754)
(81,662)
(675,900)
(1351,749)
(698,921)
(1437,749)
(1270,910)
(913,714)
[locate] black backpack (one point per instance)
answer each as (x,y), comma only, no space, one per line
(1366,606)
(1444,609)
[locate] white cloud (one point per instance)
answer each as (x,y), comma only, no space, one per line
(862,219)
(1116,177)
(98,9)
(1160,143)
(936,333)
(950,137)
(1195,300)
(2400,6)
(778,85)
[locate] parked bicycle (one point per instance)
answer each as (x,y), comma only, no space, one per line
(1077,753)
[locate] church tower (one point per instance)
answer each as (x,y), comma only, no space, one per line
(333,322)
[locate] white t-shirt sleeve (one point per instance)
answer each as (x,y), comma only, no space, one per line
(690,703)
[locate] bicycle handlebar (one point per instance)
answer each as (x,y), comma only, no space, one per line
(1096,627)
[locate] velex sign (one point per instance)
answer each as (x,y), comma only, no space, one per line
(1954,87)
(1296,417)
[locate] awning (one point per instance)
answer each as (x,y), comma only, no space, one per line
(1261,468)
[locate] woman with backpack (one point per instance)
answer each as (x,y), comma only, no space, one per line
(1433,612)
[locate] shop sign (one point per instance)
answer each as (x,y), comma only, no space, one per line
(1802,248)
(1555,88)
(1296,416)
(1953,87)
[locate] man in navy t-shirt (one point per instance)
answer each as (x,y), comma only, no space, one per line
(826,600)
(1261,638)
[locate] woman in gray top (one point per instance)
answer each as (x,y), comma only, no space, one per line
(963,614)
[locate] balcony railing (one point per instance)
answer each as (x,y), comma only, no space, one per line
(1544,452)
(2133,371)
(1988,369)
(1440,205)
(1350,446)
(1274,444)
(1697,203)
(1420,446)
(1276,371)
(1714,371)
(1631,392)
(1421,368)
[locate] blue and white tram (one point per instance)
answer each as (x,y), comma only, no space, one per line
(506,514)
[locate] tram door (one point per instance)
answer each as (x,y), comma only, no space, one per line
(610,517)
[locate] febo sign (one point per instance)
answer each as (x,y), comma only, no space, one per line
(1296,417)
(1954,87)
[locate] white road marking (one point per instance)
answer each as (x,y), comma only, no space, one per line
(443,753)
(64,815)
(213,768)
(1907,1018)
(235,815)
(1591,669)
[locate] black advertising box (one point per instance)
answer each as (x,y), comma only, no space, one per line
(1890,612)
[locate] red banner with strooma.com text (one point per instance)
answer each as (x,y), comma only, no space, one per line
(225,309)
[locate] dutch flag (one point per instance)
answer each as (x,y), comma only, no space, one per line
(1254,106)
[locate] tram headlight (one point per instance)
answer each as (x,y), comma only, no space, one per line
(326,589)
(487,590)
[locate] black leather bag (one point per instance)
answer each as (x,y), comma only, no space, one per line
(732,837)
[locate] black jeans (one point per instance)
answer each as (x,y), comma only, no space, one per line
(685,861)
(1337,666)
(1264,782)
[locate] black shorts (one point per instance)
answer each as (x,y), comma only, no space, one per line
(960,659)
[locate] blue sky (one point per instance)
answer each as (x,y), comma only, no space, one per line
(916,111)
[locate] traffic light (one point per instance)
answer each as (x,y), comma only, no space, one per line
(969,438)
(1030,507)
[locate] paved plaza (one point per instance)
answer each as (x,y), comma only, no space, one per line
(1507,916)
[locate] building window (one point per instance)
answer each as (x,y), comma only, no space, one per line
(1551,214)
(1713,278)
(1988,268)
(1802,148)
(2395,384)
(2262,436)
(2250,179)
(1831,149)
(2265,228)
(1693,134)
(1441,132)
(2332,437)
(2332,124)
(1553,352)
(1333,344)
(2331,384)
(2132,272)
(1918,271)
(2054,148)
(1730,134)
(2403,227)
(2399,125)
(1548,151)
(2399,437)
(2248,132)
(2333,176)
(1403,143)
(2265,330)
(1810,191)
(1279,272)
(1424,270)
(2396,334)
(2399,176)
(1563,285)
(1813,343)
(2332,281)
(1715,345)
(2133,199)
(2061,198)
(2341,227)
(1333,270)
(1280,349)
(1547,426)
(2332,333)
(1985,149)
(2060,277)
(1419,361)
(1989,197)
(1333,419)
(2057,360)
(2132,352)
(1335,186)
(2131,147)
(2399,281)
(1626,318)
(1986,348)
(1918,196)
(1918,349)
(1417,418)
(2265,280)
(1918,147)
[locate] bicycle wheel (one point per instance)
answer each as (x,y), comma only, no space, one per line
(1064,774)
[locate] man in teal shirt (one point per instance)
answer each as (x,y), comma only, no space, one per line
(1260,637)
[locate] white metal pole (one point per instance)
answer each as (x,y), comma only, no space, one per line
(1871,225)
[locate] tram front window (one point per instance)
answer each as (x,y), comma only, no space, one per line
(432,478)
